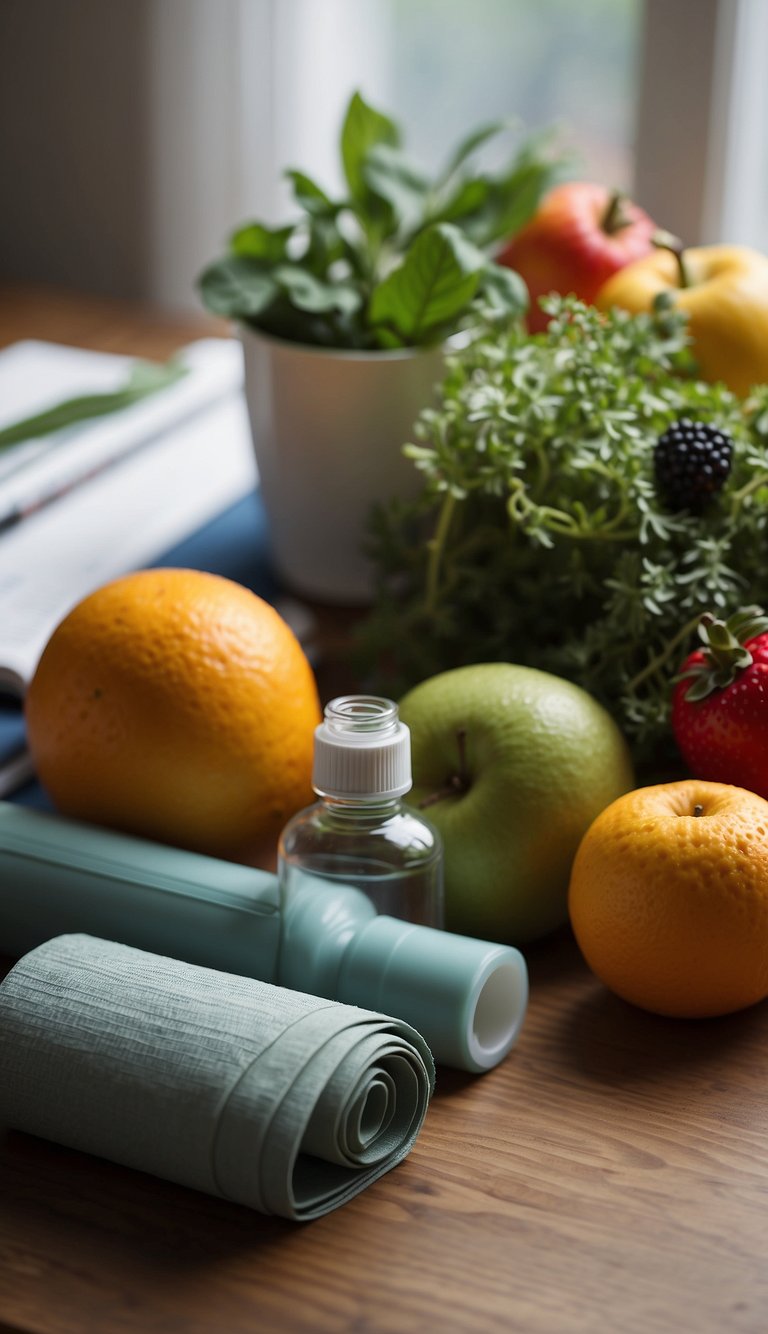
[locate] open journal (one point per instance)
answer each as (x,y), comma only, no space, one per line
(104,497)
(36,377)
(113,494)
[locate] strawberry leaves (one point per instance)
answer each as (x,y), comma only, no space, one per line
(725,654)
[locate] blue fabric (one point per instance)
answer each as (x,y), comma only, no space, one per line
(235,544)
(11,729)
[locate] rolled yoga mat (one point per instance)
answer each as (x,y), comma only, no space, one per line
(271,1098)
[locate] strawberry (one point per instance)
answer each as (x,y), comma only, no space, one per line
(720,702)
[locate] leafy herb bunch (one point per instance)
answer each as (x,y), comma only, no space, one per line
(540,537)
(399,260)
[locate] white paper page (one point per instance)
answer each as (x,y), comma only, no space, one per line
(120,520)
(35,376)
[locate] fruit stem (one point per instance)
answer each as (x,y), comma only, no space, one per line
(436,547)
(660,658)
(666,241)
(615,217)
(738,497)
(698,809)
(459,782)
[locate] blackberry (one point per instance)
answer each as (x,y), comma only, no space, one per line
(692,461)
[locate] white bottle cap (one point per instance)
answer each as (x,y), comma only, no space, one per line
(362,749)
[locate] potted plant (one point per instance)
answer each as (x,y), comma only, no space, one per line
(343,316)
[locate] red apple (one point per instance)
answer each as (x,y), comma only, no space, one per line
(579,236)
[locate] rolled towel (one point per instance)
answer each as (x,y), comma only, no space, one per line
(281,1101)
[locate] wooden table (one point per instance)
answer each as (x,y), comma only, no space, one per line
(611,1177)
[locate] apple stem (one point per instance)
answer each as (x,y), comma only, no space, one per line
(615,218)
(459,782)
(664,240)
(698,809)
(461,743)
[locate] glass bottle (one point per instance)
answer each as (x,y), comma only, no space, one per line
(360,832)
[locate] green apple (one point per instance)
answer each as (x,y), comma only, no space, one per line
(512,765)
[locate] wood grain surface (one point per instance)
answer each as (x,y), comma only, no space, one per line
(610,1177)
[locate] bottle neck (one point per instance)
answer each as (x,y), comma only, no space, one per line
(361,808)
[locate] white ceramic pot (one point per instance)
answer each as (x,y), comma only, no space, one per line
(328,429)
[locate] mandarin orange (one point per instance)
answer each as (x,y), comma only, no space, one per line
(179,706)
(668,898)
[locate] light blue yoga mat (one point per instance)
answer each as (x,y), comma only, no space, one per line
(274,1099)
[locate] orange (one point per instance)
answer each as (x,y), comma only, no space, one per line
(179,706)
(669,898)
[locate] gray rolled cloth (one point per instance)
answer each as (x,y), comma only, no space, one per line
(277,1100)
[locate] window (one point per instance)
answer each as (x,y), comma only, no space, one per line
(702,154)
(666,98)
(453,65)
(199,105)
(441,67)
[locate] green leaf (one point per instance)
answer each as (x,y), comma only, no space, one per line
(388,339)
(308,293)
(363,128)
(514,192)
(511,200)
(468,146)
(286,321)
(325,246)
(310,196)
(255,241)
(393,177)
(237,288)
(492,206)
(504,290)
(145,378)
(468,199)
(435,283)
